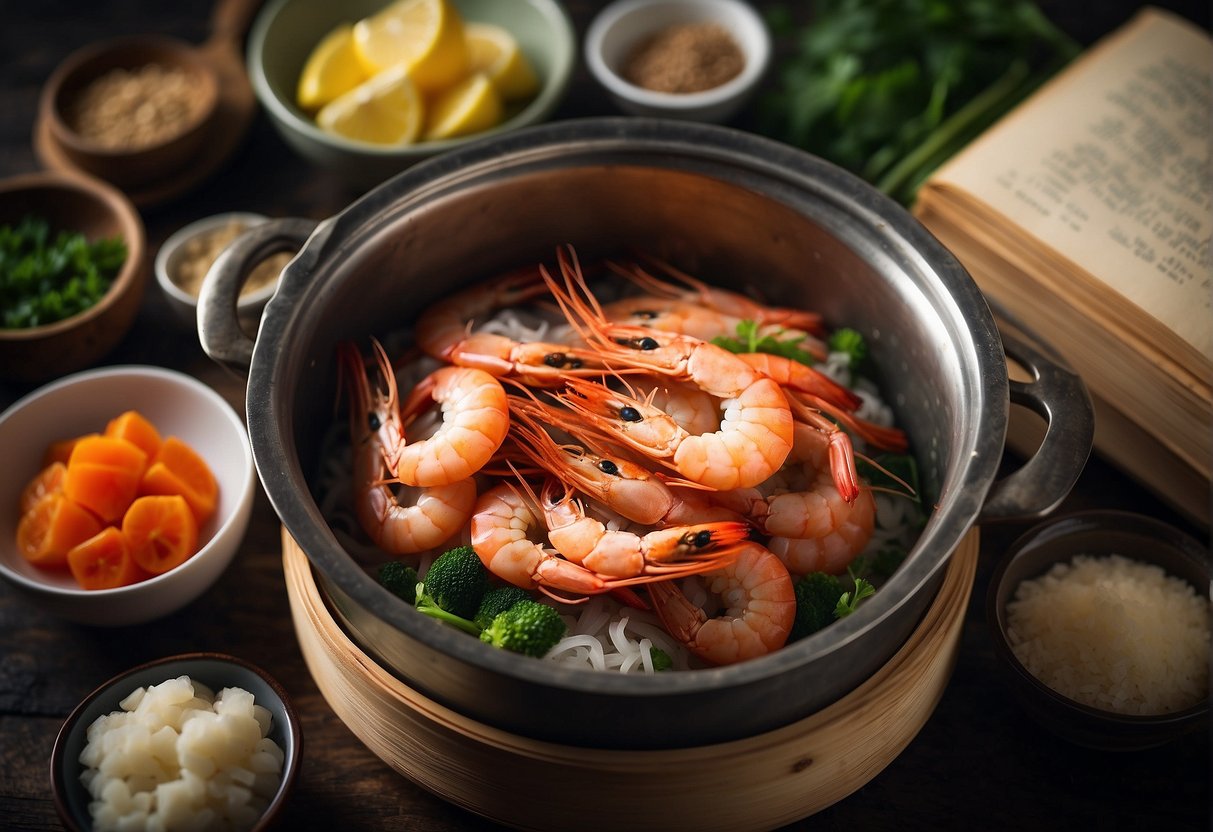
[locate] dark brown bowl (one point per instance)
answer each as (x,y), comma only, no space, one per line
(216,671)
(1097,533)
(76,203)
(135,166)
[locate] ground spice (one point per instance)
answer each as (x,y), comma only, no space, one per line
(689,57)
(135,108)
(199,254)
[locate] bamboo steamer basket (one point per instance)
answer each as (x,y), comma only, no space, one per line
(759,782)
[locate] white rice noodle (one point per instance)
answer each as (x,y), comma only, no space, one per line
(605,635)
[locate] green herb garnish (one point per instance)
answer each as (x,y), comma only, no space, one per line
(849,601)
(851,342)
(750,338)
(45,278)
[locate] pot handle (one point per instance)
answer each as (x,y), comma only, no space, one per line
(219,328)
(1059,396)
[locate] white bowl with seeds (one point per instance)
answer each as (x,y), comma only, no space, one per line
(185,257)
(700,60)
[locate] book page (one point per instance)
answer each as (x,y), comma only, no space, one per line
(1109,164)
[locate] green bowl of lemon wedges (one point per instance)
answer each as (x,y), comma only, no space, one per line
(368,87)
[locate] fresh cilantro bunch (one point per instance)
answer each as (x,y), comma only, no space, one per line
(889,89)
(45,278)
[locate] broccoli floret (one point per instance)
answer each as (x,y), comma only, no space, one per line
(453,588)
(661,659)
(817,595)
(528,627)
(497,601)
(456,582)
(400,579)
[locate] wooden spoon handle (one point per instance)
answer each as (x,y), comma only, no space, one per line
(230,20)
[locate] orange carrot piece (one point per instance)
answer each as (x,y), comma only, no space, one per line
(61,451)
(179,469)
(108,450)
(51,528)
(134,428)
(161,532)
(104,561)
(103,489)
(46,482)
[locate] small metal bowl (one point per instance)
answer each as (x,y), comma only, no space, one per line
(216,671)
(1099,534)
(172,254)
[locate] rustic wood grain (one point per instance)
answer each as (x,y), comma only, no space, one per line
(978,762)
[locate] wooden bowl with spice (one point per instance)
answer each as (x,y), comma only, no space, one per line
(133,110)
(72,273)
(700,60)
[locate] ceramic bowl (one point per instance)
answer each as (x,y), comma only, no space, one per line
(177,405)
(285,32)
(216,671)
(1099,534)
(189,241)
(623,26)
(97,210)
(135,166)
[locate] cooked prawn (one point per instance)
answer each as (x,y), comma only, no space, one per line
(437,514)
(444,331)
(755,432)
(813,527)
(507,532)
(795,375)
(673,551)
(759,609)
(626,488)
(475,420)
(693,290)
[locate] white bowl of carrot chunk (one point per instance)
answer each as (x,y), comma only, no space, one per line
(127,492)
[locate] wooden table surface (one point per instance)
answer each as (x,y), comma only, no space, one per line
(978,762)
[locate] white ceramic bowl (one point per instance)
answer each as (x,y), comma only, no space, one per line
(621,26)
(174,250)
(216,671)
(177,405)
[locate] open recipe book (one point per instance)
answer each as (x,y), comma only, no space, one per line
(1086,214)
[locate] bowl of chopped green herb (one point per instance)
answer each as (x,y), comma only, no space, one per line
(72,273)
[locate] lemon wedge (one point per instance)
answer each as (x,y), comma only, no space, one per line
(424,36)
(387,109)
(469,106)
(332,69)
(495,52)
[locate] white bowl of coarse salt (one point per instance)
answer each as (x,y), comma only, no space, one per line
(1103,619)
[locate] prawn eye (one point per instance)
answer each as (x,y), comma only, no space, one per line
(645,314)
(372,419)
(561,360)
(645,343)
(698,539)
(606,466)
(630,414)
